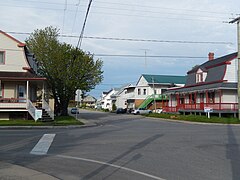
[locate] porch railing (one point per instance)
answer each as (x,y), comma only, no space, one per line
(47,108)
(201,106)
(31,109)
(13,103)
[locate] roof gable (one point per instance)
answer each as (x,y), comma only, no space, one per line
(213,63)
(20,44)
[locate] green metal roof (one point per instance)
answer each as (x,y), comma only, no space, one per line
(165,79)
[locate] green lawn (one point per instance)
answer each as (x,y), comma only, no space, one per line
(59,121)
(193,118)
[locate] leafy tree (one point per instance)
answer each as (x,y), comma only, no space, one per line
(65,67)
(114,107)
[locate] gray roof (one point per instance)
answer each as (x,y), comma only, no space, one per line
(215,69)
(214,86)
(214,62)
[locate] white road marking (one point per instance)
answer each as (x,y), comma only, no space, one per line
(41,148)
(111,165)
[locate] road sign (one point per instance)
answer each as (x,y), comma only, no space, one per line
(78,95)
(208,110)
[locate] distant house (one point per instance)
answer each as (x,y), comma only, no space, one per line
(21,89)
(89,101)
(106,100)
(119,98)
(212,84)
(150,86)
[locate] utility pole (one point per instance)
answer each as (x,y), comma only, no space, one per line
(237,20)
(154,98)
(145,56)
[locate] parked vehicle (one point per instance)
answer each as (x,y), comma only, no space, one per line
(121,111)
(141,111)
(159,111)
(74,111)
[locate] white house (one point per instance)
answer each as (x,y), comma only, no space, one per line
(149,85)
(120,97)
(106,100)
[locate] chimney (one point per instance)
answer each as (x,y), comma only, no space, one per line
(210,56)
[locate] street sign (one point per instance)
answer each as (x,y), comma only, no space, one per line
(208,110)
(78,95)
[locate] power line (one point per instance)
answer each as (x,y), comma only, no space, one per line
(134,55)
(135,5)
(84,24)
(155,40)
(132,39)
(118,14)
(153,56)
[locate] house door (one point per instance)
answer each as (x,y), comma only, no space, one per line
(22,93)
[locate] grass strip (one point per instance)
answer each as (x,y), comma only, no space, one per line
(59,121)
(196,118)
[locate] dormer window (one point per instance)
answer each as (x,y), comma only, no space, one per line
(200,76)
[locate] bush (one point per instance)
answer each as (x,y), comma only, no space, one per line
(114,107)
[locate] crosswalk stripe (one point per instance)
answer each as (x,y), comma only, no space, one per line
(41,148)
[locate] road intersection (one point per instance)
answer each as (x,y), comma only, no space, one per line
(124,147)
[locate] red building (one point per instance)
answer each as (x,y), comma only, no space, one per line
(212,84)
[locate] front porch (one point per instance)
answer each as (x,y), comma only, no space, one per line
(24,96)
(220,101)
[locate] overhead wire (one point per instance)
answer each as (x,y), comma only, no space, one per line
(132,39)
(201,16)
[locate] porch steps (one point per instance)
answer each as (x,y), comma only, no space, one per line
(45,117)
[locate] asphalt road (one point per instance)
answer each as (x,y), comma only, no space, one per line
(127,147)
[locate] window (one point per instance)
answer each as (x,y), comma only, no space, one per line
(199,77)
(139,91)
(2,57)
(144,91)
(192,99)
(163,91)
(211,97)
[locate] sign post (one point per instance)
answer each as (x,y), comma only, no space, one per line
(78,98)
(208,110)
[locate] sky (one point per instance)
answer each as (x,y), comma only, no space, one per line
(192,29)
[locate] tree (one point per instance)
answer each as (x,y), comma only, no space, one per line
(65,67)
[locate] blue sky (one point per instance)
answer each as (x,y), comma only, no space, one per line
(170,20)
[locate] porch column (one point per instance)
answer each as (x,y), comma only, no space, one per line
(27,91)
(220,99)
(171,101)
(43,92)
(195,98)
(206,97)
(184,102)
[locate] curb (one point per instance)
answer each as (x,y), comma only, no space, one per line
(190,122)
(48,127)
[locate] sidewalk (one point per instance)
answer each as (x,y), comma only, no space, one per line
(9,171)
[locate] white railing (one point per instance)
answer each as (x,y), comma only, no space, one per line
(31,109)
(48,109)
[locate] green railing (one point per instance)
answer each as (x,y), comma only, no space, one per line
(149,99)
